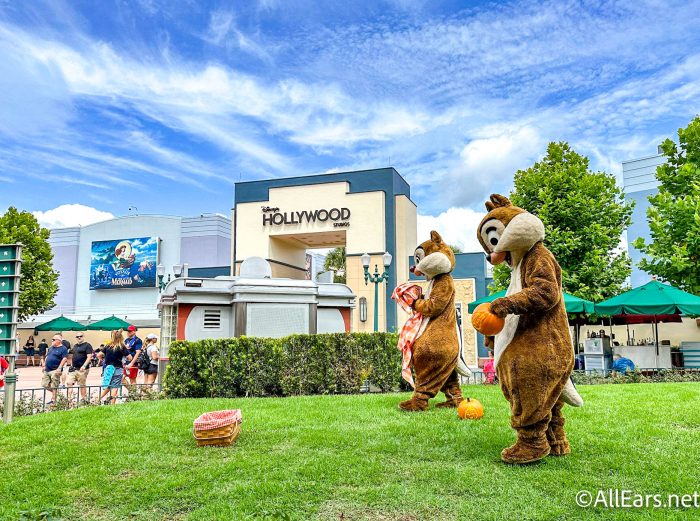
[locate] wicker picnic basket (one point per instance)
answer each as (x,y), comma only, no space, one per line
(217,427)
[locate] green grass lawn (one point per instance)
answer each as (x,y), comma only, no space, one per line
(349,457)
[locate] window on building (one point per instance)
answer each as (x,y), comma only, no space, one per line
(168,329)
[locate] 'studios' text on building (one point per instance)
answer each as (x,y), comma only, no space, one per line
(273,217)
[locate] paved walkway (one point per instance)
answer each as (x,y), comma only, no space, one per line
(30,377)
(34,396)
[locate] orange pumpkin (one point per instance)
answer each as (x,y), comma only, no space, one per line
(486,322)
(470,409)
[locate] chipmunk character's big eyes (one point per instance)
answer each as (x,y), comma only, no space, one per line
(419,255)
(491,232)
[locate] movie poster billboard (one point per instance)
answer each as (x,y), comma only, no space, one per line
(124,263)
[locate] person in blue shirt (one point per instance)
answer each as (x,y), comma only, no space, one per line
(134,344)
(622,364)
(56,358)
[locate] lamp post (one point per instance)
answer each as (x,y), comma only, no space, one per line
(377,279)
(160,271)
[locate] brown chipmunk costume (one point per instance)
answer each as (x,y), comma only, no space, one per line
(533,354)
(436,351)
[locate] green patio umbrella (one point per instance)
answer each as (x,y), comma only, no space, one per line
(61,324)
(573,304)
(653,298)
(109,324)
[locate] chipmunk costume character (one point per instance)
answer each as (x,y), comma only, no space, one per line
(533,353)
(436,350)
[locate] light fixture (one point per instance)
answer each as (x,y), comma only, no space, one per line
(376,278)
(177,270)
(160,272)
(386,258)
(363,309)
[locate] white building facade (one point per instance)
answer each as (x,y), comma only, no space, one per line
(202,242)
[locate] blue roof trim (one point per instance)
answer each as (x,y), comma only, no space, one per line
(374,180)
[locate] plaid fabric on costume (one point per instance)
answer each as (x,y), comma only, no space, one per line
(405,295)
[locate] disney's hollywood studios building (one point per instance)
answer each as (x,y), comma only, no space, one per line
(369,212)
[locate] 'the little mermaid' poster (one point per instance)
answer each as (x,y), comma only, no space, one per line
(124,263)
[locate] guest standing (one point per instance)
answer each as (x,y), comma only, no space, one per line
(151,370)
(43,347)
(29,348)
(134,344)
(56,358)
(489,371)
(113,373)
(80,365)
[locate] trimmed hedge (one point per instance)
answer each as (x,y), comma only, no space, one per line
(294,365)
(636,377)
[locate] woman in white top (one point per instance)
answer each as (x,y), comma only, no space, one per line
(151,372)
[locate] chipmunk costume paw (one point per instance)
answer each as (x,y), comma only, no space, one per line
(415,404)
(526,450)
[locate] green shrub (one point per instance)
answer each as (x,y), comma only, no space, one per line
(24,404)
(295,365)
(636,376)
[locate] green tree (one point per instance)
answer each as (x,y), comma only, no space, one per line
(455,249)
(674,214)
(39,280)
(584,214)
(335,260)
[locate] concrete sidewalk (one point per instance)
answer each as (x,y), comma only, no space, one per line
(30,377)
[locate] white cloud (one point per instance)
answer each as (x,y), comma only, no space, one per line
(220,23)
(213,97)
(488,163)
(222,31)
(500,153)
(69,215)
(457,226)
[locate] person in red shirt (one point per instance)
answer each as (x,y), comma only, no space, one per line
(3,367)
(489,369)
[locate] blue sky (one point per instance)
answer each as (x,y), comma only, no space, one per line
(165,105)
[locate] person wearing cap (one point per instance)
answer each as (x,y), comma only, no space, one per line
(80,365)
(134,345)
(56,358)
(151,372)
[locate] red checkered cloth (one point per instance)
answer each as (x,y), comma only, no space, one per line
(405,295)
(216,419)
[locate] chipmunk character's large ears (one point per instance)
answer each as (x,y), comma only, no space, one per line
(497,200)
(435,237)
